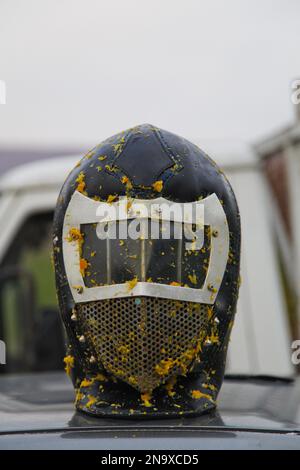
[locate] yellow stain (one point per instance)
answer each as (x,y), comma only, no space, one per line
(146,397)
(158,186)
(197,394)
(111,198)
(131,284)
(83,265)
(69,364)
(193,278)
(81,183)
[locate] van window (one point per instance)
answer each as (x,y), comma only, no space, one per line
(29,320)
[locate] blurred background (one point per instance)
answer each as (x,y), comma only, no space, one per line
(219,73)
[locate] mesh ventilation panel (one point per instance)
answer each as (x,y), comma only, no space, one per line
(144,341)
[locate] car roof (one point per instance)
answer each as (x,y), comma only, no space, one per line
(44,402)
(49,172)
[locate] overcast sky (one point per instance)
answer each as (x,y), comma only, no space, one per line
(80,70)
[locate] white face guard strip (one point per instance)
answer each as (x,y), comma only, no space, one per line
(83,210)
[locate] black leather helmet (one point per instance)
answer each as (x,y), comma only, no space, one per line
(147,254)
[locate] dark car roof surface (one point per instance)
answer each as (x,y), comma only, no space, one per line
(36,411)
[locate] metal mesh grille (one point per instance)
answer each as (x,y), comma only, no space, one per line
(144,341)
